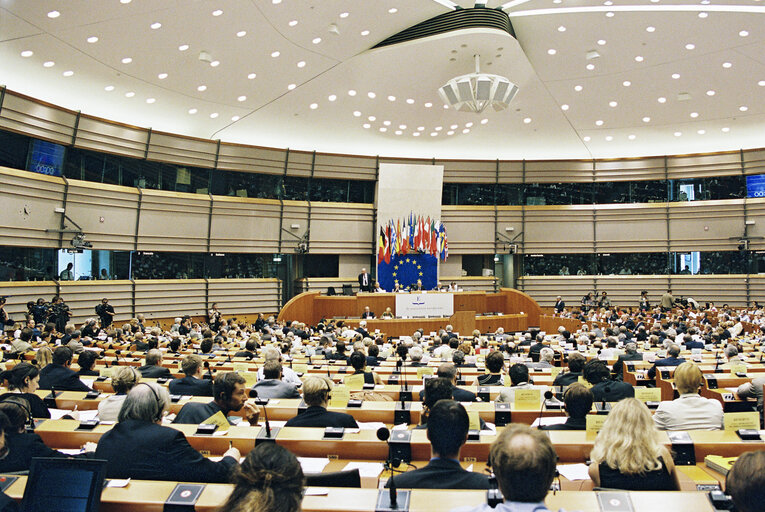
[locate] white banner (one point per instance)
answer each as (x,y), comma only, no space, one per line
(436,304)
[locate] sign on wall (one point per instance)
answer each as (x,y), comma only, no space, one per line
(424,304)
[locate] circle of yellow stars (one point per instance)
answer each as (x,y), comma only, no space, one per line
(401,262)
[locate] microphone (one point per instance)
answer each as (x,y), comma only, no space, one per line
(383,434)
(209,371)
(717,361)
(116,361)
(254,394)
(547,396)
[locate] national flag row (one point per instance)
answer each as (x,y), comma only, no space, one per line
(412,234)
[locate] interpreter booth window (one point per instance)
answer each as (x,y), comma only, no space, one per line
(321,265)
(91,265)
(13,150)
(558,264)
(295,189)
(246,184)
(509,194)
(475,265)
(646,263)
(342,191)
(716,262)
(25,264)
(166,265)
(244,266)
(614,192)
(558,193)
(700,189)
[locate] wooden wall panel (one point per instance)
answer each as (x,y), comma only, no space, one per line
(294,212)
(754,161)
(629,169)
(468,171)
(558,229)
(557,171)
(755,212)
(341,228)
(470,229)
(244,225)
(544,289)
(244,296)
(625,290)
(718,164)
(238,157)
(18,293)
(173,221)
(29,116)
(83,296)
(345,166)
(631,228)
(299,164)
(510,171)
(163,298)
(721,289)
(705,225)
(167,147)
(39,195)
(101,135)
(88,203)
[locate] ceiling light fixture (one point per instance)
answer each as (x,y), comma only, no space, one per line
(54,14)
(156,25)
(109,88)
(49,64)
(241,33)
(68,73)
(476,91)
(27,53)
(626,83)
(92,39)
(351,92)
(183,47)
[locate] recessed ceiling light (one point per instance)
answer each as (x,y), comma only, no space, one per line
(416,134)
(383,129)
(727,65)
(129,94)
(371,95)
(49,64)
(392,10)
(450,132)
(561,29)
(241,33)
(726,129)
(213,115)
(608,2)
(357,113)
(316,40)
(411,101)
(650,29)
(343,14)
(433,134)
(626,83)
(155,25)
(183,47)
(590,66)
(332,97)
(127,60)
(27,53)
(314,106)
(251,76)
(420,128)
(551,51)
(662,99)
(454,126)
(150,100)
(428,105)
(586,138)
(639,58)
(564,107)
(367,125)
(275,54)
(293,23)
(235,118)
(578,88)
(599,122)
(291,86)
(391,98)
(109,88)
(68,73)
(609,138)
(276,2)
(609,14)
(466,130)
(202,88)
(162,76)
(372,118)
(125,1)
(402,127)
(484,121)
(301,64)
(675,76)
(215,63)
(241,98)
(92,39)
(446,107)
(703,15)
(612,104)
(677,134)
(193,111)
(710,92)
(54,14)
(761,83)
(526,120)
(468,125)
(701,132)
(743,108)
(631,137)
(386,123)
(365,32)
(351,92)
(646,119)
(743,33)
(601,42)
(694,115)
(217,12)
(690,46)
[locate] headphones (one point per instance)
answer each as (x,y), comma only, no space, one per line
(158,415)
(23,404)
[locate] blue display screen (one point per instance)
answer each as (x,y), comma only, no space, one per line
(755,185)
(46,158)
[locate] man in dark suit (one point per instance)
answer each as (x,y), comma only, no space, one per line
(362,329)
(192,384)
(365,281)
(153,368)
(249,350)
(578,403)
(229,394)
(58,375)
(559,305)
(272,385)
(139,447)
(449,372)
(674,359)
(448,425)
(575,365)
(690,343)
(536,348)
(604,389)
(316,393)
(631,355)
(367,313)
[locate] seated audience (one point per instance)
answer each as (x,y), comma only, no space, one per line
(228,395)
(23,380)
(519,377)
(495,363)
(124,378)
(673,359)
(316,394)
(58,375)
(272,385)
(86,360)
(577,400)
(139,447)
(627,454)
(752,389)
(192,384)
(447,431)
(689,411)
(745,482)
(249,349)
(289,376)
(153,368)
(269,480)
(604,389)
(575,365)
(359,363)
(373,351)
(631,354)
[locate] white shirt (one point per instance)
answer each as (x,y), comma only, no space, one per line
(507,506)
(109,407)
(689,412)
(288,375)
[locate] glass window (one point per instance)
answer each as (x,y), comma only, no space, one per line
(649,191)
(510,193)
(720,262)
(557,264)
(325,190)
(321,265)
(295,189)
(246,184)
(13,150)
(25,264)
(699,189)
(558,193)
(632,263)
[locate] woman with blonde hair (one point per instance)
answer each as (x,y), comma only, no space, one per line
(269,480)
(627,454)
(44,357)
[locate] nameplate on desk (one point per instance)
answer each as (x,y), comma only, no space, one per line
(528,399)
(185,495)
(219,419)
(474,420)
(340,395)
(92,395)
(354,382)
(741,420)
(424,370)
(241,367)
(595,422)
(334,432)
(645,394)
(555,371)
(250,378)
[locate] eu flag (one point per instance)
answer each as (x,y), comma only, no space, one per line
(407,269)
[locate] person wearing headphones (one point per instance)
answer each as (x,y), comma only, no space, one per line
(229,394)
(604,389)
(316,393)
(124,378)
(524,462)
(23,380)
(139,447)
(58,375)
(192,384)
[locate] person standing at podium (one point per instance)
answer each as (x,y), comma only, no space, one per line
(365,281)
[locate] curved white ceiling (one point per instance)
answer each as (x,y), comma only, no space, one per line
(669,79)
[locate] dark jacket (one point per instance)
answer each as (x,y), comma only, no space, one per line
(458,394)
(194,413)
(612,391)
(667,361)
(316,416)
(191,386)
(571,424)
(36,404)
(87,373)
(694,344)
(61,378)
(619,364)
(22,448)
(154,372)
(565,379)
(147,451)
(274,388)
(441,474)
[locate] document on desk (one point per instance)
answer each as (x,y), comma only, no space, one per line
(574,472)
(370,425)
(313,464)
(366,469)
(551,420)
